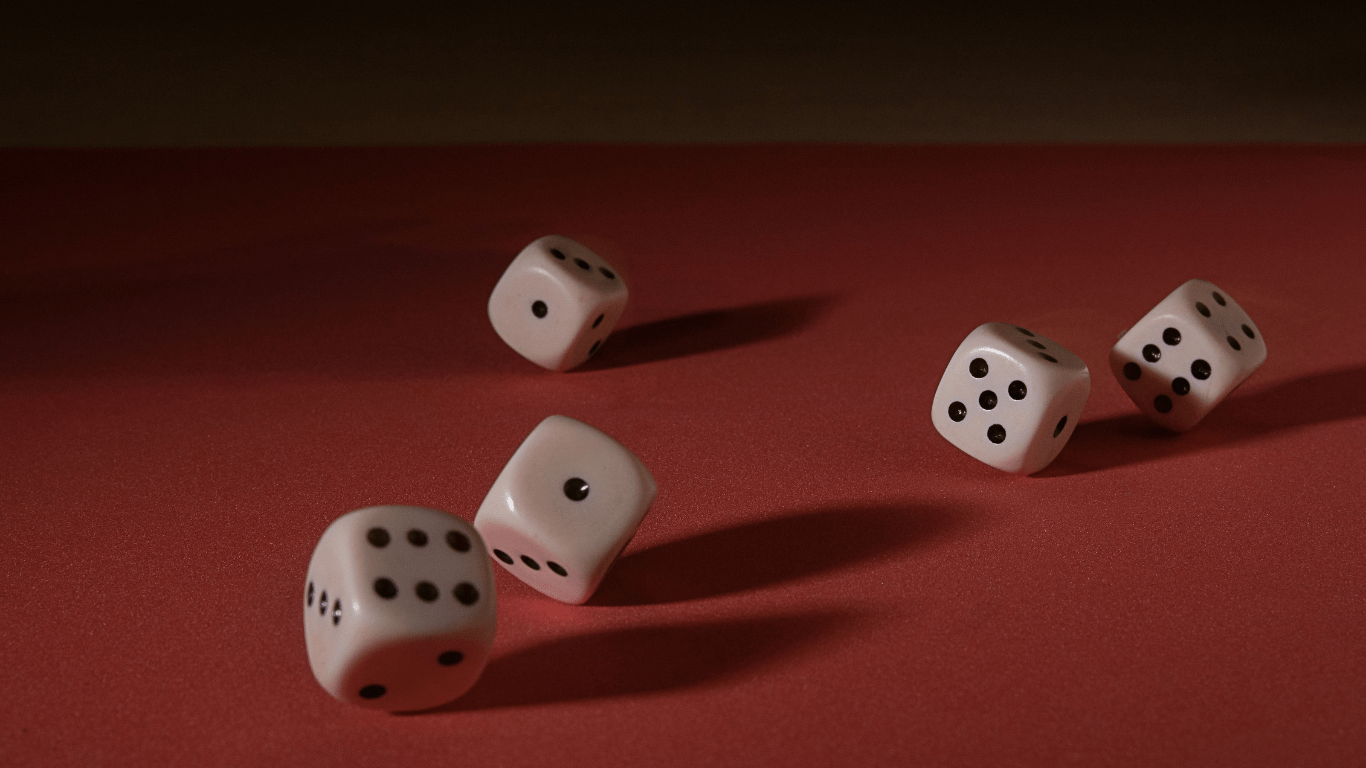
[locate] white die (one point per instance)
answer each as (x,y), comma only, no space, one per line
(1011,398)
(556,303)
(1187,354)
(399,608)
(564,507)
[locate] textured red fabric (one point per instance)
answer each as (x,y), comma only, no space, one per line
(209,355)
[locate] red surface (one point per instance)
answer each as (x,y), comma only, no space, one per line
(209,355)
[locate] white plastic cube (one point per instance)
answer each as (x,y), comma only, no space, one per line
(1011,398)
(564,507)
(1187,354)
(399,608)
(557,302)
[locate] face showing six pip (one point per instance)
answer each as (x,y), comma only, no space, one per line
(387,574)
(1193,348)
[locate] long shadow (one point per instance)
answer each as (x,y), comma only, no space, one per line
(770,552)
(640,660)
(708,331)
(1319,398)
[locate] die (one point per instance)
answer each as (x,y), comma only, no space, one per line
(556,303)
(399,608)
(1187,354)
(1010,397)
(564,508)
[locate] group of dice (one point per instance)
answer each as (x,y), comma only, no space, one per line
(1011,398)
(399,601)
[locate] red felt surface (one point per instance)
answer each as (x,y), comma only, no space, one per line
(209,355)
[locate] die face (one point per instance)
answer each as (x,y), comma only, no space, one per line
(564,507)
(401,598)
(1011,398)
(409,675)
(1194,348)
(557,302)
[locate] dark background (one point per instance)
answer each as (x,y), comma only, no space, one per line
(159,75)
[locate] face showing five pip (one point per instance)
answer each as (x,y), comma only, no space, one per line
(557,302)
(399,608)
(1011,398)
(1187,354)
(566,504)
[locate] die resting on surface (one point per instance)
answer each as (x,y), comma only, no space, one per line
(1187,354)
(564,507)
(557,302)
(399,608)
(1011,398)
